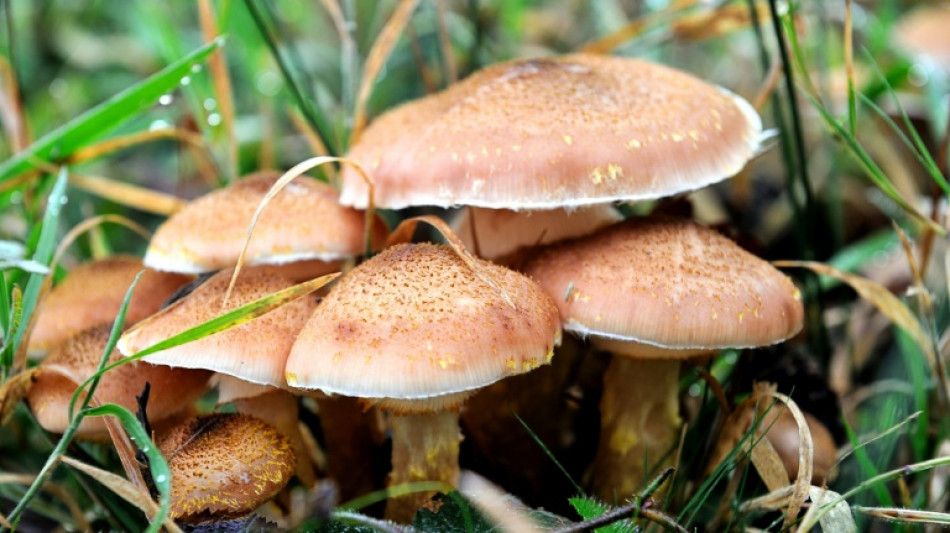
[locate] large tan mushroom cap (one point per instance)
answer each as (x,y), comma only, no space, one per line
(254,351)
(172,389)
(555,132)
(668,283)
(500,232)
(304,221)
(93,293)
(415,322)
(225,465)
(923,33)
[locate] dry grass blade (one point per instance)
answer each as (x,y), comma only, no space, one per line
(403,233)
(124,489)
(445,43)
(12,391)
(886,303)
(314,142)
(54,490)
(129,195)
(506,513)
(717,22)
(376,59)
(115,144)
(221,81)
(909,516)
(5,523)
(837,520)
(282,182)
(773,501)
(11,108)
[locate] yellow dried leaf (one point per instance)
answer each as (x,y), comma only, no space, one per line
(15,389)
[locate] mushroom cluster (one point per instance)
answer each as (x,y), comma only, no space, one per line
(537,151)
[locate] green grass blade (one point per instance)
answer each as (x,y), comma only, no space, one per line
(45,247)
(156,462)
(92,124)
(547,451)
(858,254)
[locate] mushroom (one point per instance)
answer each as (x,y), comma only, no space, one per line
(77,359)
(254,352)
(415,330)
(92,294)
(552,133)
(212,477)
(303,228)
(654,292)
(783,436)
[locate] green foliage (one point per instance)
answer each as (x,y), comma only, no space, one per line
(451,513)
(589,508)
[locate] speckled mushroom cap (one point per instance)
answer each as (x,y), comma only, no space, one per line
(416,323)
(669,284)
(500,232)
(302,222)
(224,464)
(255,351)
(93,293)
(555,132)
(172,389)
(923,33)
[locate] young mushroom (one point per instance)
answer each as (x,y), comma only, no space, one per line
(75,360)
(92,294)
(224,465)
(415,331)
(654,292)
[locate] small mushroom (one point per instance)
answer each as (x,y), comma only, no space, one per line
(92,294)
(415,331)
(784,437)
(224,465)
(172,389)
(303,228)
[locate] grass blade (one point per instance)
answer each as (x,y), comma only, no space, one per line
(43,255)
(87,127)
(156,463)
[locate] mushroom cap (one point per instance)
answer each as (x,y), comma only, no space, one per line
(923,34)
(500,232)
(255,351)
(416,323)
(668,284)
(92,294)
(172,389)
(303,221)
(555,132)
(225,464)
(783,435)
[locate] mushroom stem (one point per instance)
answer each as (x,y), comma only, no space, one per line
(348,438)
(425,448)
(639,425)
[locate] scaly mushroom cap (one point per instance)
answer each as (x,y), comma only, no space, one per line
(555,132)
(172,389)
(254,351)
(415,322)
(923,33)
(304,221)
(667,283)
(93,293)
(500,232)
(225,464)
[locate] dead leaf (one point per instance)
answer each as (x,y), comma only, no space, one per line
(12,391)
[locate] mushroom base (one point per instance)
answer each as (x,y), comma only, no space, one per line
(425,448)
(279,409)
(348,433)
(639,425)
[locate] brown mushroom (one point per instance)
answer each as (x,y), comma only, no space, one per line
(214,478)
(654,292)
(416,331)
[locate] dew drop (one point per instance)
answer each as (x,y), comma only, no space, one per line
(210,104)
(166,99)
(186,80)
(195,69)
(214,119)
(160,478)
(159,125)
(695,390)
